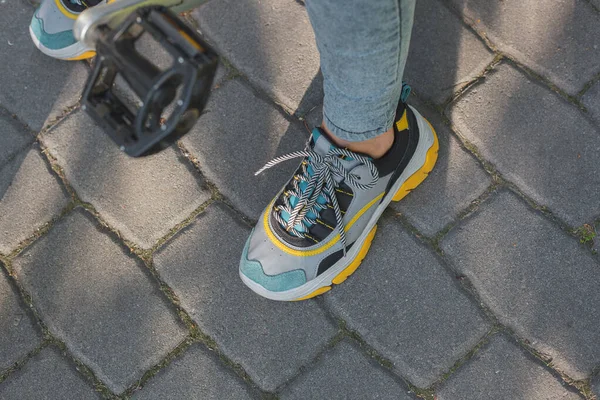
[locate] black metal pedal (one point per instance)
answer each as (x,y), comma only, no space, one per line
(171,99)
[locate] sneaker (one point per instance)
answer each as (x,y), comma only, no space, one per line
(51,28)
(319,227)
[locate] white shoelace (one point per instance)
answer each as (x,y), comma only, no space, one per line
(320,183)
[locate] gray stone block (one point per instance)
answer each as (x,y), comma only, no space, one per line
(405,305)
(591,99)
(141,197)
(345,373)
(197,374)
(536,279)
(98,300)
(13,137)
(536,140)
(444,55)
(456,180)
(19,334)
(503,371)
(269,41)
(271,340)
(35,87)
(30,196)
(47,376)
(557,39)
(237,135)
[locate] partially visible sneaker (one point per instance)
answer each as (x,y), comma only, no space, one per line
(51,28)
(319,227)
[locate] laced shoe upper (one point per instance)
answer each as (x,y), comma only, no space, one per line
(315,186)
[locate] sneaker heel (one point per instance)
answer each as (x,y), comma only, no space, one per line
(418,177)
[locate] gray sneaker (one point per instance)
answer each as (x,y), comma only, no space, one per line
(319,227)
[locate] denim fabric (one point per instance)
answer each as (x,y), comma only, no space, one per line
(363,46)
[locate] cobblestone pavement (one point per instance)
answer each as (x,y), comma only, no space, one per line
(118,277)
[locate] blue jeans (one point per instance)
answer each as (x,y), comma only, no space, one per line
(363,46)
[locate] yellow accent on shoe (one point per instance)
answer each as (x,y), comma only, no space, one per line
(402,123)
(315,293)
(307,253)
(87,54)
(418,177)
(63,10)
(349,270)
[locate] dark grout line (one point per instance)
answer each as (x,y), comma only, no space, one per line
(497,326)
(499,53)
(580,386)
(215,192)
(84,370)
(462,281)
(588,85)
(384,362)
(594,6)
(49,338)
(304,369)
(18,119)
(235,73)
(475,81)
(177,352)
(485,339)
(497,178)
(20,363)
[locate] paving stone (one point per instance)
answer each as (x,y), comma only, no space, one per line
(537,280)
(30,196)
(98,300)
(556,38)
(444,55)
(19,335)
(345,373)
(271,340)
(536,140)
(404,304)
(503,371)
(237,135)
(13,137)
(141,197)
(37,88)
(591,99)
(456,180)
(197,374)
(47,376)
(269,41)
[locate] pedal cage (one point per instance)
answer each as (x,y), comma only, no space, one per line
(171,100)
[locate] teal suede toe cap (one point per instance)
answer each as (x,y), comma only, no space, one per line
(275,283)
(52,41)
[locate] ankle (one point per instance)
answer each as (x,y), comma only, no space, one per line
(375,147)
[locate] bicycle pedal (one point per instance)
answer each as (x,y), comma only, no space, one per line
(170,99)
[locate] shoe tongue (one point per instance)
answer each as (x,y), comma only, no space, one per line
(320,142)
